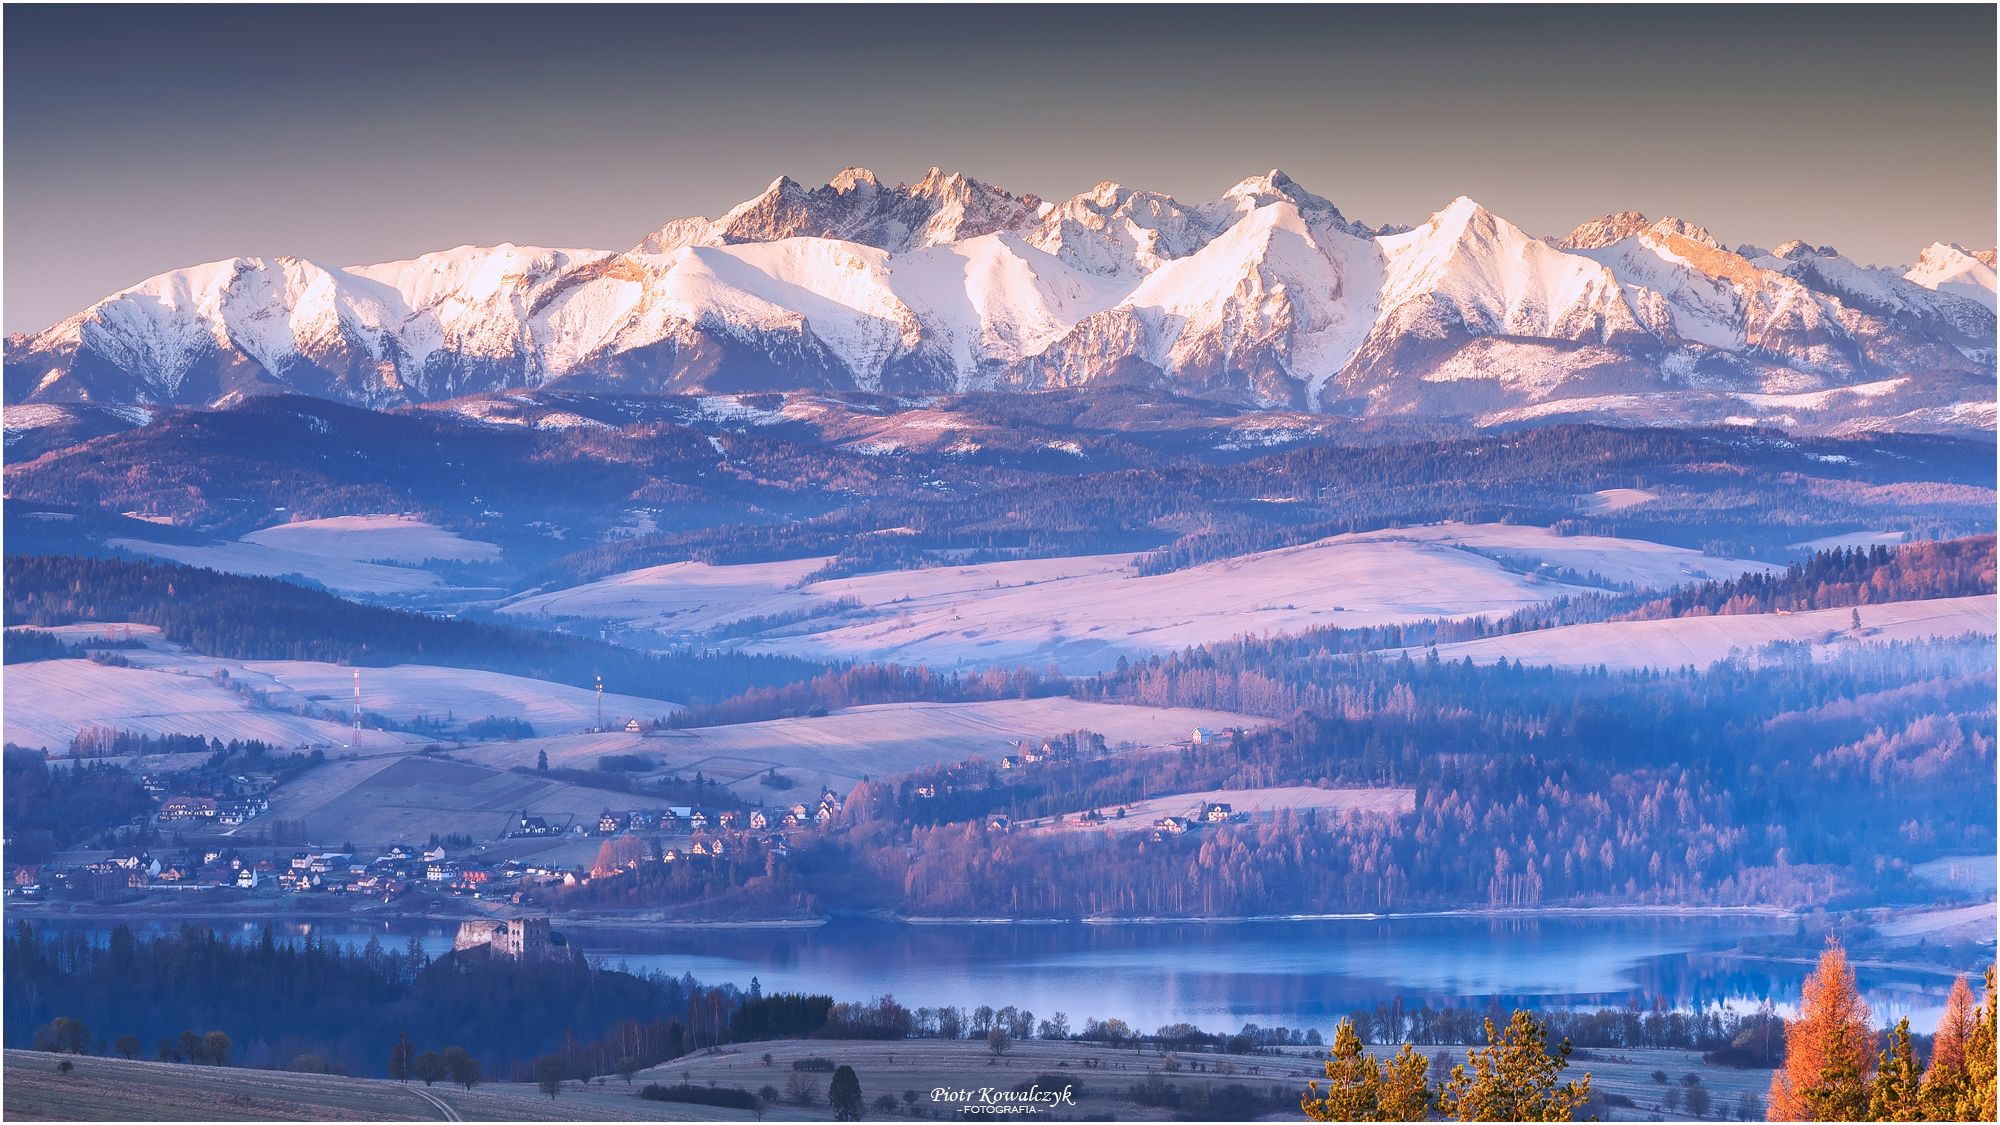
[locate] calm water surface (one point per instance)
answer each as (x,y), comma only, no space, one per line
(1222,975)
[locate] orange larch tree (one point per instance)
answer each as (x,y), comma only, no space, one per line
(1829,1049)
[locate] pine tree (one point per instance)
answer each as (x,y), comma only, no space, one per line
(1514,1078)
(1897,1094)
(1828,1061)
(843,1093)
(1406,1089)
(1976,1101)
(1353,1082)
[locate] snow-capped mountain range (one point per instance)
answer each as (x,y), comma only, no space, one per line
(1265,296)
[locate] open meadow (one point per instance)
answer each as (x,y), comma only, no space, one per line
(880,740)
(1701,641)
(1083,612)
(1257,806)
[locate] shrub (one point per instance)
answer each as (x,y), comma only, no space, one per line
(725,1097)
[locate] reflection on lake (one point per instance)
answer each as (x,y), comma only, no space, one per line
(1222,975)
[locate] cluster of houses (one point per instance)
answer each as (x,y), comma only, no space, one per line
(401,868)
(203,798)
(1027,753)
(686,820)
(1208,812)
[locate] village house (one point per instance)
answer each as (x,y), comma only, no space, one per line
(758,820)
(610,823)
(1216,813)
(533,826)
(187,808)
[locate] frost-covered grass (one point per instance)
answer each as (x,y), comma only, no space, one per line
(369,555)
(1083,612)
(877,741)
(1702,641)
(49,701)
(1259,805)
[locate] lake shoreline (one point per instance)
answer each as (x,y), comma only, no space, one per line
(277,913)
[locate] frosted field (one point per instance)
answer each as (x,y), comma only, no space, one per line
(406,692)
(1083,612)
(1260,804)
(1617,499)
(48,701)
(878,741)
(341,553)
(1704,640)
(167,681)
(1855,539)
(406,799)
(683,597)
(402,539)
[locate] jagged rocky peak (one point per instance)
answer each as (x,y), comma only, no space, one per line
(855,206)
(1799,248)
(1618,226)
(854,178)
(1265,294)
(1596,234)
(1275,186)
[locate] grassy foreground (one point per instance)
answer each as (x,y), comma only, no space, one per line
(1103,1077)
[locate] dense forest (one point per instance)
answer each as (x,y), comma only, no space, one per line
(277,1000)
(1532,786)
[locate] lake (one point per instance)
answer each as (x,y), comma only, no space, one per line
(1223,975)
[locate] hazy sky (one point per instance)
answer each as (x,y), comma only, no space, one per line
(140,139)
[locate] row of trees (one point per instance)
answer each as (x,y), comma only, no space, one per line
(433,1067)
(1835,1068)
(1515,1077)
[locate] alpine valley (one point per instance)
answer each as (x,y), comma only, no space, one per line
(1266,297)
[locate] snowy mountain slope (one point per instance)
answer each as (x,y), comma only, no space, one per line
(1266,295)
(1955,270)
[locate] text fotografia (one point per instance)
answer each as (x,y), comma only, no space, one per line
(990,1100)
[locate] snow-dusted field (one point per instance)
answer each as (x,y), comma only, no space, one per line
(1258,804)
(1083,612)
(1617,499)
(878,741)
(402,539)
(406,692)
(408,798)
(350,554)
(683,597)
(1705,640)
(48,701)
(167,682)
(1854,539)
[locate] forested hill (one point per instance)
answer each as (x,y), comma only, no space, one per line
(246,618)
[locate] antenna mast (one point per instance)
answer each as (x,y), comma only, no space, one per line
(357,701)
(600,702)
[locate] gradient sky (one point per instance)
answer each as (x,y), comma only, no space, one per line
(141,139)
